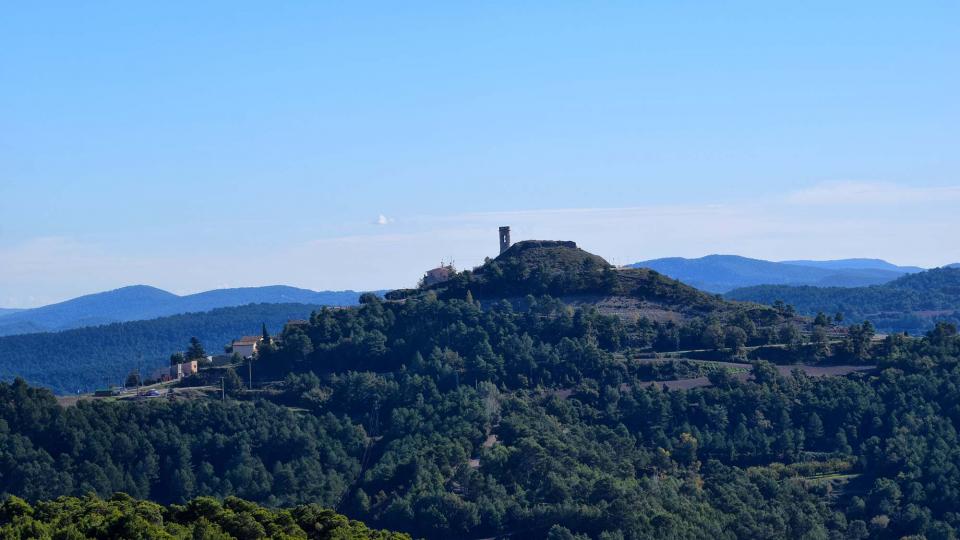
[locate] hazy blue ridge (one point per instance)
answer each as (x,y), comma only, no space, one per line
(861,264)
(723,273)
(141,302)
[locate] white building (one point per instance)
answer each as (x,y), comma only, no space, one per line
(183,369)
(246,346)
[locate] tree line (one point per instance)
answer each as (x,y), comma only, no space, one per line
(122,517)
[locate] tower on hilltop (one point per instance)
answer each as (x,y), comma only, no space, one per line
(504,239)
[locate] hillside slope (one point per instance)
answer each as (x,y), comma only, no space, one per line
(722,273)
(87,358)
(911,302)
(141,302)
(577,277)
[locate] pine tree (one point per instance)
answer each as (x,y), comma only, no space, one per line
(814,427)
(195,351)
(177,358)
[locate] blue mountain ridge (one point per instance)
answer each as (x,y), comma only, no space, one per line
(139,302)
(860,264)
(723,273)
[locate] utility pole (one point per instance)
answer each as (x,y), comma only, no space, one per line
(139,376)
(250,373)
(223,390)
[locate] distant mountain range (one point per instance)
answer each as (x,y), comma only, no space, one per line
(87,358)
(910,303)
(855,264)
(723,273)
(140,302)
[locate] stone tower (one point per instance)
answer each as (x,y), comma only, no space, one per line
(504,239)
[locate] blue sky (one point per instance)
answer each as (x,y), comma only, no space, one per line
(353,145)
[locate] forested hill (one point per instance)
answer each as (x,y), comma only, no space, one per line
(88,358)
(911,302)
(447,421)
(563,270)
(141,302)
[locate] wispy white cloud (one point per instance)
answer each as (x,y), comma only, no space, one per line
(383,220)
(871,193)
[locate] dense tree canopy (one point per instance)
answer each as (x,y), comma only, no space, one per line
(912,303)
(94,357)
(123,518)
(445,420)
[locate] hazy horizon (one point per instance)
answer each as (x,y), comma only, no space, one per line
(474,261)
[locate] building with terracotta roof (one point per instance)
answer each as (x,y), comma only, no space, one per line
(438,275)
(246,346)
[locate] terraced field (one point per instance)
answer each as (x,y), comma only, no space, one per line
(812,371)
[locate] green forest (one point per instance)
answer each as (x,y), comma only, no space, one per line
(445,420)
(911,303)
(123,518)
(441,414)
(84,359)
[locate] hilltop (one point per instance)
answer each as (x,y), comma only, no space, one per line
(723,273)
(89,357)
(912,302)
(563,270)
(142,302)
